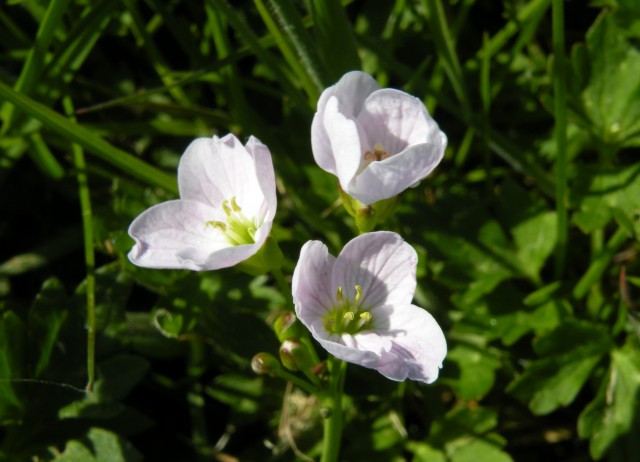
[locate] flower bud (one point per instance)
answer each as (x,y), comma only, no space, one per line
(287,326)
(295,356)
(265,364)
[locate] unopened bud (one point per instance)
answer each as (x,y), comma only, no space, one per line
(295,356)
(265,364)
(287,326)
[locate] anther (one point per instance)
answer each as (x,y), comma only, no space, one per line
(378,154)
(358,292)
(234,205)
(365,317)
(217,224)
(348,317)
(226,208)
(339,295)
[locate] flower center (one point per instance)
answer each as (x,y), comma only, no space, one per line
(237,229)
(378,154)
(347,316)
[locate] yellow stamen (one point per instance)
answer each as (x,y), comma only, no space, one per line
(358,292)
(226,208)
(234,205)
(217,224)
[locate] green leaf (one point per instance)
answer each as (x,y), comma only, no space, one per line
(99,445)
(482,450)
(566,364)
(535,239)
(240,392)
(465,436)
(612,98)
(611,419)
(600,192)
(113,287)
(12,343)
(117,376)
(47,315)
(423,452)
(477,370)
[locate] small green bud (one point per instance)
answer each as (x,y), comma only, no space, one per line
(295,356)
(265,364)
(287,326)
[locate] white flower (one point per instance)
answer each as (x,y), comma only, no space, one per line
(358,306)
(224,214)
(378,142)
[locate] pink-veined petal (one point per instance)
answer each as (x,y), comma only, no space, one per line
(389,177)
(352,90)
(321,144)
(345,142)
(335,345)
(217,169)
(382,264)
(396,120)
(165,230)
(265,175)
(418,343)
(311,284)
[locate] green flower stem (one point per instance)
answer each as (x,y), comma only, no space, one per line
(559,110)
(333,423)
(89,256)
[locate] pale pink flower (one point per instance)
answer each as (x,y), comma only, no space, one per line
(358,306)
(378,142)
(224,214)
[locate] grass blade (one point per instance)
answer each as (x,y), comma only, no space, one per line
(335,37)
(92,143)
(35,62)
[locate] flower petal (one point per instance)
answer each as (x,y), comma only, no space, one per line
(335,344)
(165,230)
(344,136)
(396,120)
(387,178)
(350,91)
(418,343)
(222,258)
(265,175)
(382,264)
(311,285)
(213,170)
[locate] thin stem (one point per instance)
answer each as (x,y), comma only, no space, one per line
(333,423)
(559,91)
(289,377)
(89,256)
